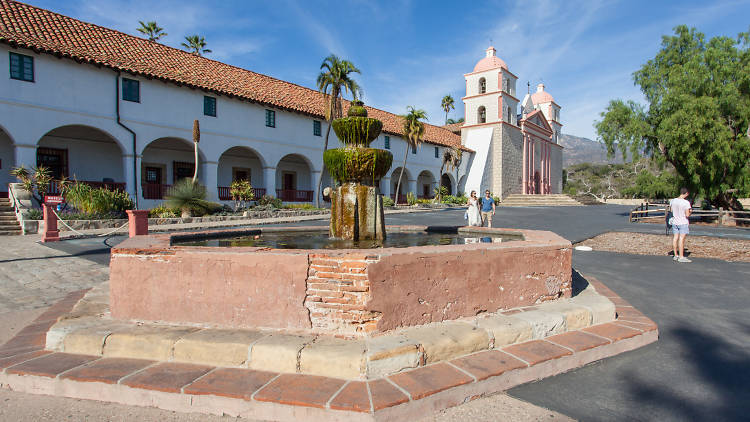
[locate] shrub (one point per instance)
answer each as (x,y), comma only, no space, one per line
(270,200)
(162,211)
(304,206)
(37,183)
(189,198)
(242,192)
(33,214)
(455,200)
(411,199)
(441,192)
(96,201)
(388,202)
(424,201)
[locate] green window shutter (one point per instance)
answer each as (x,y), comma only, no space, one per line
(387,142)
(209,106)
(21,67)
(437,153)
(270,118)
(131,90)
(413,149)
(316,127)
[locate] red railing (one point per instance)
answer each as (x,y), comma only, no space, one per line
(54,186)
(290,195)
(401,198)
(225,194)
(154,190)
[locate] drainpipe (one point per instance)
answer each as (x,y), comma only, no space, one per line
(135,155)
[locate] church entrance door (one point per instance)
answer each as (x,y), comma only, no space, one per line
(537,189)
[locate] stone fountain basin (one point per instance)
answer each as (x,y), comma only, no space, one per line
(349,292)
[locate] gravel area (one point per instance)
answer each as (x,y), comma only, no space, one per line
(736,250)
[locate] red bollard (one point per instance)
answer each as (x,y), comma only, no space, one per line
(138,220)
(51,234)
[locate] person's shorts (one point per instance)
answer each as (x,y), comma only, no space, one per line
(680,229)
(486,215)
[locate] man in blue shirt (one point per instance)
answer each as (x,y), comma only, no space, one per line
(488,208)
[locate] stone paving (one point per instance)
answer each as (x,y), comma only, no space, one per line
(33,275)
(27,366)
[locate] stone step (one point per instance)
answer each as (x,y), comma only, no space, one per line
(10,232)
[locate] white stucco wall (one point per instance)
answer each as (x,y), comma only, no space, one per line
(6,161)
(68,93)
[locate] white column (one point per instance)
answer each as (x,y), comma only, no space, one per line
(269,180)
(386,184)
(131,175)
(411,187)
(316,175)
(210,176)
(25,155)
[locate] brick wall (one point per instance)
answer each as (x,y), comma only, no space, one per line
(337,292)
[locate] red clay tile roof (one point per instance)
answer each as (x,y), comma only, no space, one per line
(43,31)
(453,127)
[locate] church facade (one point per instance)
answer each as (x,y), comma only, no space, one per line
(515,143)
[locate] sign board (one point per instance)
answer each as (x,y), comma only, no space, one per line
(53,199)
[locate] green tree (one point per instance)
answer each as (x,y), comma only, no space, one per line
(334,79)
(447,106)
(698,95)
(413,131)
(196,45)
(450,160)
(151,30)
(451,121)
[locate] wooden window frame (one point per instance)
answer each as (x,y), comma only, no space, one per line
(209,106)
(125,93)
(21,76)
(317,128)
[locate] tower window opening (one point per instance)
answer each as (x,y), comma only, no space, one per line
(482,115)
(482,85)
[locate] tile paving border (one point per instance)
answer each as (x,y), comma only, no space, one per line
(25,366)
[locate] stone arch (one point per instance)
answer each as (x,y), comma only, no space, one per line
(426,184)
(240,162)
(81,152)
(295,181)
(166,160)
(447,181)
(404,181)
(461,188)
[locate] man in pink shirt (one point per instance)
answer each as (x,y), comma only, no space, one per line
(681,210)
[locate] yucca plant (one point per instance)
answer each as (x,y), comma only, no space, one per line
(37,184)
(189,197)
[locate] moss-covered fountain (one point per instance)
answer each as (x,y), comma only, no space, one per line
(356,204)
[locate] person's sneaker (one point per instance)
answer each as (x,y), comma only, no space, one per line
(683,259)
(675,258)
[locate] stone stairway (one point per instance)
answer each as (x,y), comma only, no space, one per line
(552,200)
(8,223)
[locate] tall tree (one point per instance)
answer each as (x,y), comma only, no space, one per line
(333,80)
(697,117)
(196,44)
(447,106)
(413,131)
(151,30)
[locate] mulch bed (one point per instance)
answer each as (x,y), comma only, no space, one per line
(737,250)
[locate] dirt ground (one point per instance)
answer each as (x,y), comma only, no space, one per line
(654,244)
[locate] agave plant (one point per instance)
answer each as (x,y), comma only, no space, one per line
(188,197)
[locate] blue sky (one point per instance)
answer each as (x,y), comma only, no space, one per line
(415,52)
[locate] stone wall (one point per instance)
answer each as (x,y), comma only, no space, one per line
(556,169)
(512,164)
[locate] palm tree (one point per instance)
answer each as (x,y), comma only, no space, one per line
(332,80)
(447,105)
(197,44)
(451,121)
(413,133)
(151,30)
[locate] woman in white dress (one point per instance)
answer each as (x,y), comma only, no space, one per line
(475,218)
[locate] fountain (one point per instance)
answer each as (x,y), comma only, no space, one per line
(356,205)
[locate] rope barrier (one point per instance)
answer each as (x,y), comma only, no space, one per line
(83,234)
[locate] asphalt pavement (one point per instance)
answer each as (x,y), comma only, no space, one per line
(698,370)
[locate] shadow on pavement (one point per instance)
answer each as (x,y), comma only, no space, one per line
(724,369)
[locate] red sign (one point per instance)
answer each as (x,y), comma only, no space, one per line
(53,199)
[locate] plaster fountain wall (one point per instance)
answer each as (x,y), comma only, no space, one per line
(346,291)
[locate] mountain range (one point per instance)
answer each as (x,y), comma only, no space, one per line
(583,150)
